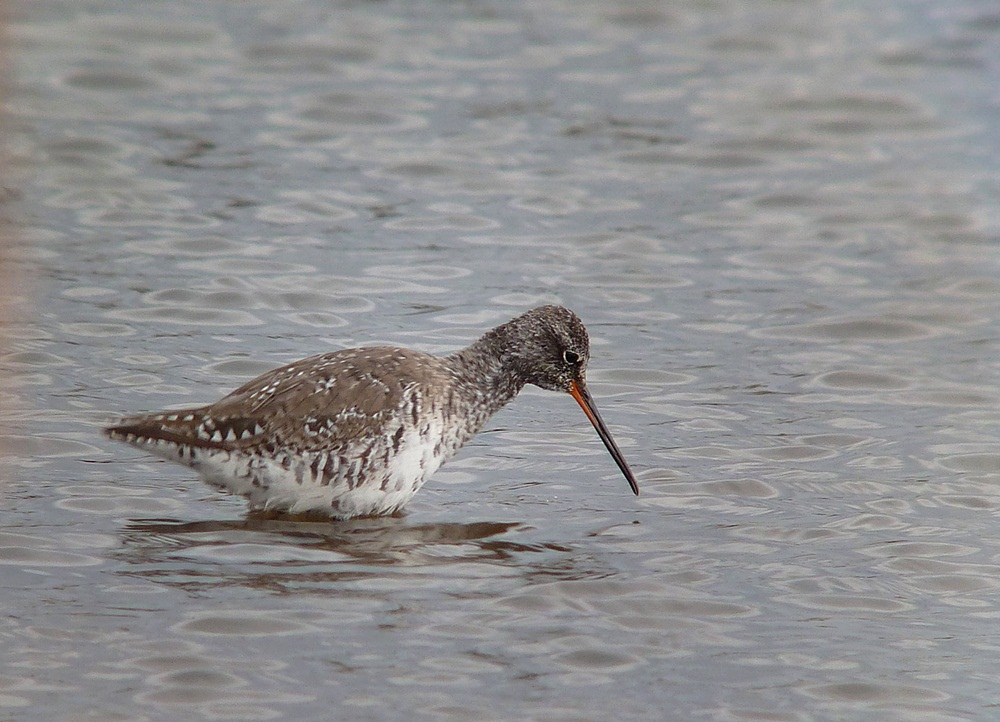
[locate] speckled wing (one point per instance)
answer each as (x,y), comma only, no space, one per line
(323,402)
(328,402)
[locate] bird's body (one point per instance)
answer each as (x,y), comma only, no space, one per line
(357,432)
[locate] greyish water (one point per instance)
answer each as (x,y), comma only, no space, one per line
(779,221)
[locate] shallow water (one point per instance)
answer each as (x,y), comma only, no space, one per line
(779,223)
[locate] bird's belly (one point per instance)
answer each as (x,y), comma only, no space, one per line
(372,479)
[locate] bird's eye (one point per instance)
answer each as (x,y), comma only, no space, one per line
(571,357)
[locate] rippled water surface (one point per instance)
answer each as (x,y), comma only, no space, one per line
(780,224)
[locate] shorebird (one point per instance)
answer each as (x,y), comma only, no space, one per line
(357,432)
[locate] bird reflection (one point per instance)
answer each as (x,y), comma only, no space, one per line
(385,555)
(362,538)
(285,554)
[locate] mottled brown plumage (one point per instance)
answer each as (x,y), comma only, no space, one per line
(357,432)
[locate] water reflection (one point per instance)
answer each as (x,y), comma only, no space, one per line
(283,552)
(372,539)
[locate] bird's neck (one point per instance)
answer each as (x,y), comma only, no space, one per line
(484,371)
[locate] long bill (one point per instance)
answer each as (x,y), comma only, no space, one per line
(579,392)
